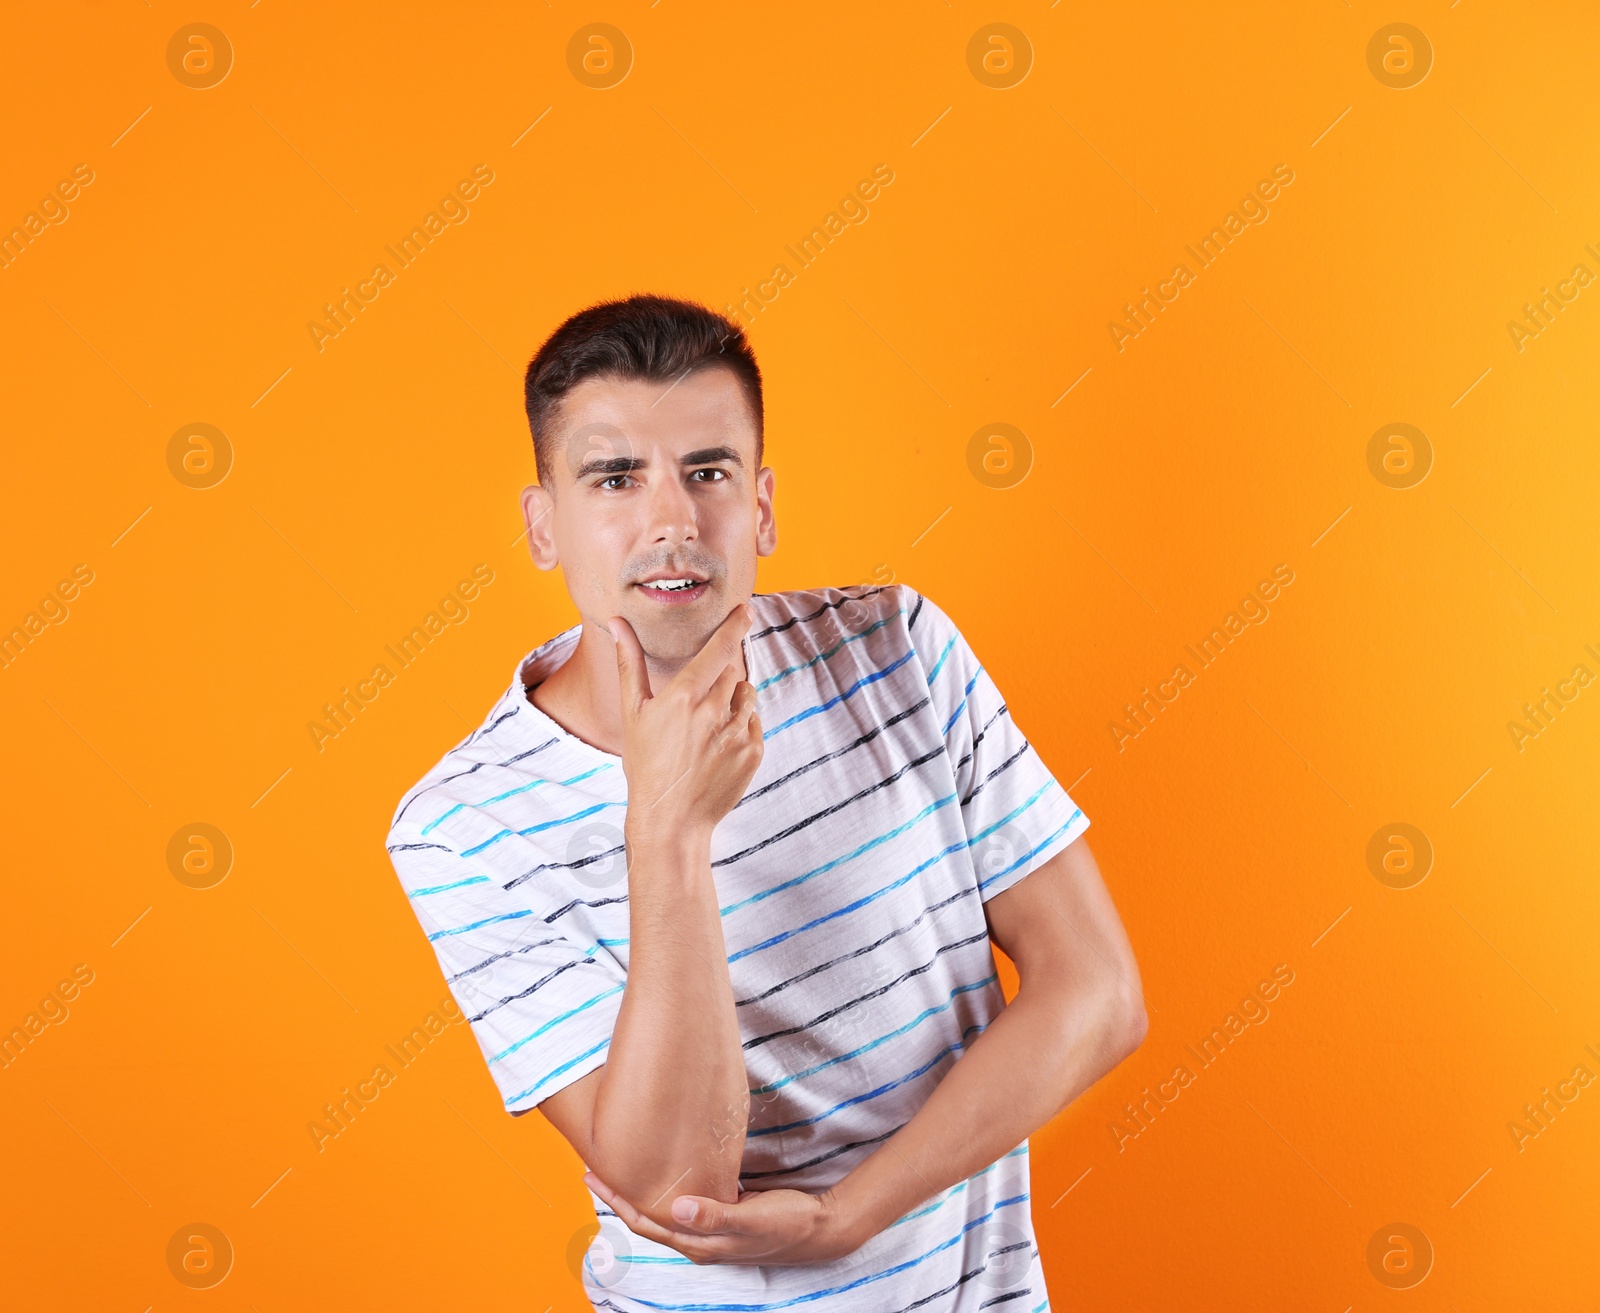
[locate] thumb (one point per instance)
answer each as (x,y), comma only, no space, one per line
(630,664)
(694,1211)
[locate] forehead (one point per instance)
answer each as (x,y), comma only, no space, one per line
(707,408)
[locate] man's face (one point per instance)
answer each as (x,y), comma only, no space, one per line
(657,510)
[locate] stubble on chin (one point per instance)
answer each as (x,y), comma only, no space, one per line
(671,640)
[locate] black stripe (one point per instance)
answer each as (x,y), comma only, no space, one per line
(584,902)
(803,619)
(968,757)
(492,725)
(959,1281)
(538,984)
(414,847)
(837,752)
(562,866)
(931,1296)
(471,769)
(498,957)
(1015,1294)
(870,994)
(915,612)
(1000,769)
(821,1158)
(834,807)
(865,948)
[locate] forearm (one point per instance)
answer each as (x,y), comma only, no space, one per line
(671,1108)
(1047,1046)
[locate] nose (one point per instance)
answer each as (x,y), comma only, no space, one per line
(672,512)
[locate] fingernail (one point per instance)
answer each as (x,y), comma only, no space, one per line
(685,1209)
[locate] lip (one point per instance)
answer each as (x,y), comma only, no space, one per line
(672,574)
(678,596)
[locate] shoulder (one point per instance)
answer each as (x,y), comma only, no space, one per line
(851,610)
(876,632)
(502,736)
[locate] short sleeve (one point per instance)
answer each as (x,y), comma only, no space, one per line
(1017,816)
(541,1005)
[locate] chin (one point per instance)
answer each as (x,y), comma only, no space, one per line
(674,634)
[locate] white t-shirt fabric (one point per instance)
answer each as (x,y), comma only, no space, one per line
(895,796)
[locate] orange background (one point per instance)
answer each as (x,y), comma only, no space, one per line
(1222,441)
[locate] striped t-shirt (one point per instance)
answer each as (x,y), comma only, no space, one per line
(895,795)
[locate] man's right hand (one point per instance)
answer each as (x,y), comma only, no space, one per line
(689,751)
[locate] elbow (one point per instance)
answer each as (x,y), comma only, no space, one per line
(651,1188)
(1126,1024)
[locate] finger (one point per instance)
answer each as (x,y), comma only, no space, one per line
(721,650)
(605,1192)
(713,1219)
(744,702)
(720,695)
(699,1214)
(635,1221)
(641,1225)
(630,664)
(686,1242)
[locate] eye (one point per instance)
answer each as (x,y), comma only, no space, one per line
(712,475)
(614,482)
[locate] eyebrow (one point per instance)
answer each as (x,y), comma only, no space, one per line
(613,465)
(710,456)
(609,465)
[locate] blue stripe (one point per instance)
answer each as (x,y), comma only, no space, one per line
(958,1188)
(666,1259)
(831,1290)
(939,664)
(828,866)
(565,1066)
(600,943)
(883,1039)
(849,907)
(956,847)
(954,716)
(823,656)
(505,1053)
(833,702)
(462,929)
(851,1102)
(965,694)
(1010,816)
(1030,855)
(512,793)
(440,888)
(543,825)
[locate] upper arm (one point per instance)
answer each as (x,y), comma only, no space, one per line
(1060,925)
(571,1111)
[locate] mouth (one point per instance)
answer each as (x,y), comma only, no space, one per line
(673,590)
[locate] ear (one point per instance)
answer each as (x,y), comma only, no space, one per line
(766,519)
(538,508)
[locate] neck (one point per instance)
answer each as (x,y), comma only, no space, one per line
(584,696)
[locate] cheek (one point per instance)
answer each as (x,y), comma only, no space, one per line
(730,533)
(594,556)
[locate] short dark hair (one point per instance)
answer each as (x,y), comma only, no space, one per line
(655,339)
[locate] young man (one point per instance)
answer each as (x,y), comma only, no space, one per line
(715,881)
